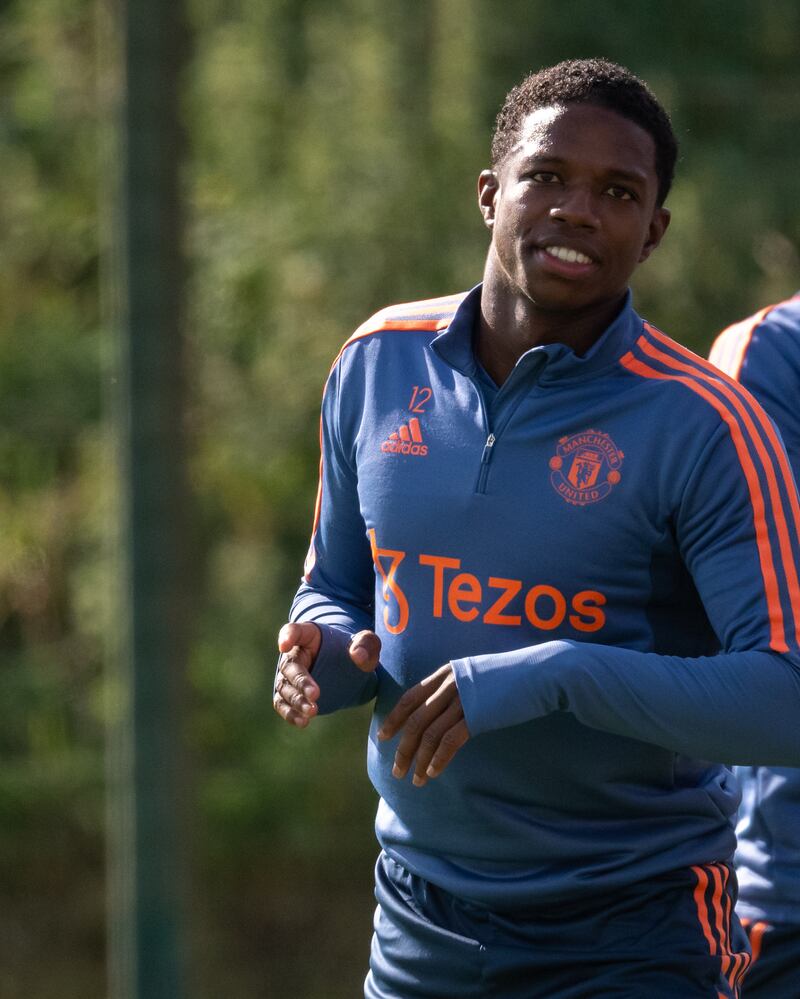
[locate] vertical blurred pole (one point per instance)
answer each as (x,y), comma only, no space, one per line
(146,757)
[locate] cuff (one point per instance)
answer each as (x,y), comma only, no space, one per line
(509,688)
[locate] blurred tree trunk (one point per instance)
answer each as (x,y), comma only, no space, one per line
(148,788)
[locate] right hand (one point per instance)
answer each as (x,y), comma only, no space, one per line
(296,692)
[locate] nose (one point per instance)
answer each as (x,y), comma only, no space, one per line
(577,208)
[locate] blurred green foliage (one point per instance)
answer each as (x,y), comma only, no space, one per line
(334,149)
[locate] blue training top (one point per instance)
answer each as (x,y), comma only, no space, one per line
(763,352)
(580,543)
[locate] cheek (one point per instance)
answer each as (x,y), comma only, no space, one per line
(506,227)
(504,218)
(514,209)
(632,244)
(646,247)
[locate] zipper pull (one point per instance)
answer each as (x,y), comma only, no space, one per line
(487,449)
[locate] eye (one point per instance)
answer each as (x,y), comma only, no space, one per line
(545,177)
(620,193)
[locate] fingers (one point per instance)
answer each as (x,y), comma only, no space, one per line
(291,704)
(296,692)
(294,668)
(440,741)
(450,743)
(365,649)
(431,719)
(411,700)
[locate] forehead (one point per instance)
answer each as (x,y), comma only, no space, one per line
(586,133)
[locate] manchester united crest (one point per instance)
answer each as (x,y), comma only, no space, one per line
(585,467)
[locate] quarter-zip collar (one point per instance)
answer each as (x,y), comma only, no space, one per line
(553,361)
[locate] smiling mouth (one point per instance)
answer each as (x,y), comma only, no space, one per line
(567,256)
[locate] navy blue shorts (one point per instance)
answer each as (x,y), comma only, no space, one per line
(775,971)
(674,938)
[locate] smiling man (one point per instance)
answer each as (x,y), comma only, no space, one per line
(558,551)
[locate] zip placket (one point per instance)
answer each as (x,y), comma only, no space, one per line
(486,457)
(512,393)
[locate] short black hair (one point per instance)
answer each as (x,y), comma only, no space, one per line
(589,81)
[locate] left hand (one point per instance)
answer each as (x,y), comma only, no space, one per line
(431,718)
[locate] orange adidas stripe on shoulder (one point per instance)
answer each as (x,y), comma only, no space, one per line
(774,610)
(735,394)
(394,317)
(437,312)
(426,306)
(766,423)
(758,409)
(730,346)
(432,310)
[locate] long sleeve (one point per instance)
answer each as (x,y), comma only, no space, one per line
(738,538)
(337,591)
(736,706)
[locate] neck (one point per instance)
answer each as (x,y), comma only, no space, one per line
(511,324)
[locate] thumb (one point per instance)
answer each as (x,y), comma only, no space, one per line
(365,648)
(304,634)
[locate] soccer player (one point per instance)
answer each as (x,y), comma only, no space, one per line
(763,353)
(558,550)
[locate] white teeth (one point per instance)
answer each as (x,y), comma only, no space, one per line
(569,256)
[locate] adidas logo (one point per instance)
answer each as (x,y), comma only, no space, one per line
(406,440)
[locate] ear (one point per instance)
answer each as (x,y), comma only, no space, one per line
(488,187)
(658,226)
